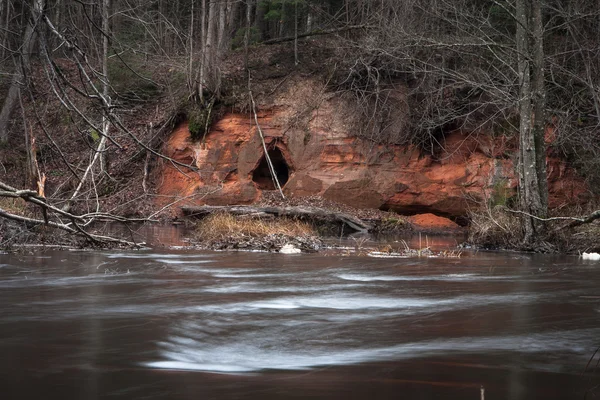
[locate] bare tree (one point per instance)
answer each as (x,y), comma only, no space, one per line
(21,64)
(531,114)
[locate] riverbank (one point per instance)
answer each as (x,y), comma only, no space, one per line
(386,235)
(313,224)
(310,138)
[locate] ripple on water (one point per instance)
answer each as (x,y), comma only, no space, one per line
(252,287)
(156,255)
(235,357)
(179,262)
(446,277)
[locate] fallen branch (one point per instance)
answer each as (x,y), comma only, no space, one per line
(576,221)
(262,139)
(314,33)
(76,221)
(67,228)
(33,197)
(298,212)
(584,220)
(97,155)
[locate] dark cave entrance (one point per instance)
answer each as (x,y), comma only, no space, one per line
(262,176)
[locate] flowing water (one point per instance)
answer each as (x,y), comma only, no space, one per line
(199,325)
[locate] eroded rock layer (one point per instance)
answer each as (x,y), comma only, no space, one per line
(314,152)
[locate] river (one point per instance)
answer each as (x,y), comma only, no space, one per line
(181,324)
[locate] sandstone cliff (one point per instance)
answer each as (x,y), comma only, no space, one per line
(311,140)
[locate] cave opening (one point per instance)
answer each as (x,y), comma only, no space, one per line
(262,175)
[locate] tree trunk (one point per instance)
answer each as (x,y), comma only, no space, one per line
(105,83)
(211,46)
(191,85)
(296,61)
(260,22)
(99,151)
(222,31)
(309,21)
(529,186)
(247,35)
(202,68)
(281,27)
(31,176)
(539,105)
(21,64)
(4,16)
(233,17)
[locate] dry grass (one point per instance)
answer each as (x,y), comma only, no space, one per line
(223,225)
(495,227)
(14,205)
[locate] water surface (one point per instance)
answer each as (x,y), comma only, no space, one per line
(190,325)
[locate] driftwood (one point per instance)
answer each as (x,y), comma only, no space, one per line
(311,213)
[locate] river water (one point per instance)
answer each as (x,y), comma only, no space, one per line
(177,324)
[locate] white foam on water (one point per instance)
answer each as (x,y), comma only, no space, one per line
(275,304)
(360,302)
(372,278)
(234,275)
(446,277)
(214,271)
(258,288)
(378,254)
(155,255)
(346,302)
(591,256)
(176,262)
(188,366)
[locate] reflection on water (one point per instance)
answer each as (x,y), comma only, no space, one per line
(249,325)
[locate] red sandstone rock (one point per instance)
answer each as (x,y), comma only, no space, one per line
(431,222)
(322,158)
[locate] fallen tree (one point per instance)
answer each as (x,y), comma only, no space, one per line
(310,214)
(55,217)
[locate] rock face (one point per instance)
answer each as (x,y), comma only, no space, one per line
(309,140)
(431,222)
